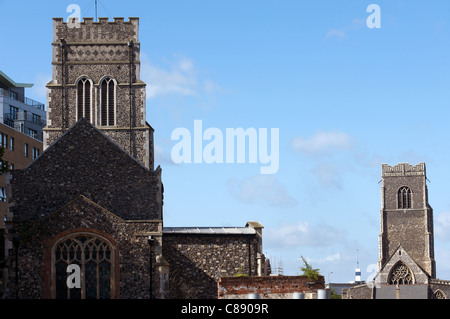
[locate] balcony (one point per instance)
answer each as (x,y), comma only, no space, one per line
(19,97)
(29,124)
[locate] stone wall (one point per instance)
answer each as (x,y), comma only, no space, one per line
(411,228)
(85,162)
(267,287)
(96,50)
(198,261)
(358,292)
(36,240)
(84,183)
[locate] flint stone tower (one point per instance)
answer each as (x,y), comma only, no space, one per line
(406,264)
(96,66)
(93,197)
(406,238)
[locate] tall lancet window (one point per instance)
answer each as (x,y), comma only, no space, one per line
(107,102)
(404,197)
(84,98)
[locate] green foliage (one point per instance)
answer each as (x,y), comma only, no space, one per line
(334,294)
(308,271)
(240,273)
(4,165)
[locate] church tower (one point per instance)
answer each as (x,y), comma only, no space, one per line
(406,238)
(96,76)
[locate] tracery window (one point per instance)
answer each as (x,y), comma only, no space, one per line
(107,102)
(84,98)
(401,275)
(404,197)
(94,255)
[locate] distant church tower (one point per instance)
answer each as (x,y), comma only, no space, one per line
(406,238)
(95,75)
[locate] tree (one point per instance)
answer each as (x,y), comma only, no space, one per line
(3,164)
(308,271)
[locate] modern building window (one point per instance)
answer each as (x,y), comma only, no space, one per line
(107,102)
(2,194)
(404,197)
(35,152)
(11,143)
(26,150)
(95,257)
(32,133)
(13,112)
(4,141)
(84,98)
(11,166)
(36,118)
(13,95)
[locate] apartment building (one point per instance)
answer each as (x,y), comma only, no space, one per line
(21,122)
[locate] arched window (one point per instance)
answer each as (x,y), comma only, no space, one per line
(107,102)
(404,197)
(401,275)
(84,98)
(95,257)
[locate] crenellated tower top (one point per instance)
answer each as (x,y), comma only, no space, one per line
(102,30)
(96,76)
(404,169)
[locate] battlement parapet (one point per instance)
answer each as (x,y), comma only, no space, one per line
(90,31)
(404,169)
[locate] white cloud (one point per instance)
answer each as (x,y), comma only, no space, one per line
(262,189)
(327,259)
(328,174)
(39,91)
(335,33)
(442,226)
(302,234)
(161,156)
(322,142)
(179,78)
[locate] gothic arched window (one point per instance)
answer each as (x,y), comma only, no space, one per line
(401,275)
(84,98)
(107,101)
(404,197)
(95,257)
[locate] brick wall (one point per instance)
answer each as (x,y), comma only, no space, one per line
(270,287)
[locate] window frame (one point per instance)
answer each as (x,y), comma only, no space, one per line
(108,109)
(404,198)
(84,79)
(92,237)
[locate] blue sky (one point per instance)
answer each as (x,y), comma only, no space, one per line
(345,98)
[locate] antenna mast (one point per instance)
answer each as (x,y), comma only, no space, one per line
(96,19)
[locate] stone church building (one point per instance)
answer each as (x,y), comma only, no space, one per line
(406,265)
(94,199)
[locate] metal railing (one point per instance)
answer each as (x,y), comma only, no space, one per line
(20,97)
(25,124)
(25,117)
